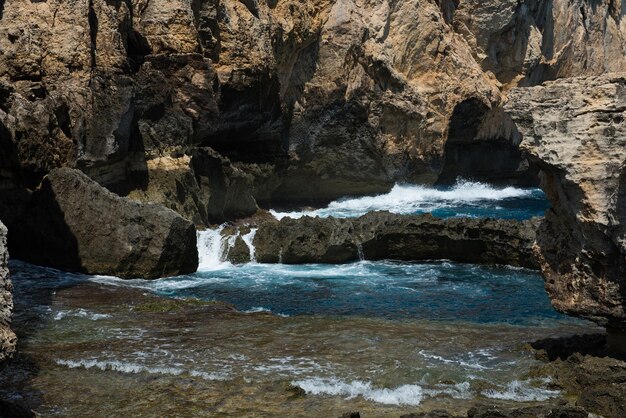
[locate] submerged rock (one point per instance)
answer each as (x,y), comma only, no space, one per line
(383,235)
(575,131)
(75,224)
(7,337)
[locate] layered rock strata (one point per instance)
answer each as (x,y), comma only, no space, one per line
(382,235)
(73,223)
(7,337)
(575,131)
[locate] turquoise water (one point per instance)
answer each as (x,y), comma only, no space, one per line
(380,337)
(464,199)
(392,290)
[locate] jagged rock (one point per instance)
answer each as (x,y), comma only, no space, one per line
(239,253)
(574,130)
(206,187)
(7,337)
(597,383)
(382,235)
(525,43)
(75,224)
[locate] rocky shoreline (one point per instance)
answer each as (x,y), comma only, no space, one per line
(126,126)
(7,337)
(383,235)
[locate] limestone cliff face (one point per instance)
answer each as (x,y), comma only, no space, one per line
(575,130)
(7,337)
(530,41)
(334,96)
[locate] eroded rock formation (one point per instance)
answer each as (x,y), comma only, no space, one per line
(575,130)
(383,235)
(73,223)
(334,97)
(7,337)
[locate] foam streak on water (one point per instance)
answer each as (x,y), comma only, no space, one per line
(463,199)
(402,395)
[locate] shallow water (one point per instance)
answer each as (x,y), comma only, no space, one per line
(384,338)
(354,337)
(464,199)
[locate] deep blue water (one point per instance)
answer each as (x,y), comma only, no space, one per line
(464,199)
(393,290)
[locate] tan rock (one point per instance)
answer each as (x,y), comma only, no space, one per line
(574,129)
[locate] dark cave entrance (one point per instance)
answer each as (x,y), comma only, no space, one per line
(483,145)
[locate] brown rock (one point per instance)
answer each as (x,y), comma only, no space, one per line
(382,235)
(75,224)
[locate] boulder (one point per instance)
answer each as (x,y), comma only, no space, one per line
(75,224)
(7,337)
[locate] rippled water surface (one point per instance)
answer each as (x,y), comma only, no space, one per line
(441,291)
(382,338)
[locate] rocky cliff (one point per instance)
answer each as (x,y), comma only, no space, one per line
(575,131)
(312,100)
(7,337)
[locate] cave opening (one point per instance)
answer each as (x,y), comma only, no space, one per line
(483,145)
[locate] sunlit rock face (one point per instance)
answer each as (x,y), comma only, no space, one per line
(335,97)
(574,130)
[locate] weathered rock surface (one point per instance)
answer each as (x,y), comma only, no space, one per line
(580,368)
(527,42)
(382,235)
(73,223)
(206,187)
(325,92)
(575,131)
(7,337)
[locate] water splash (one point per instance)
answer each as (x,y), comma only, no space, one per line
(211,249)
(249,240)
(359,248)
(465,198)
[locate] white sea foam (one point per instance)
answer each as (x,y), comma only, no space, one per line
(401,395)
(456,391)
(129,367)
(80,313)
(412,199)
(288,366)
(261,309)
(471,363)
(522,391)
